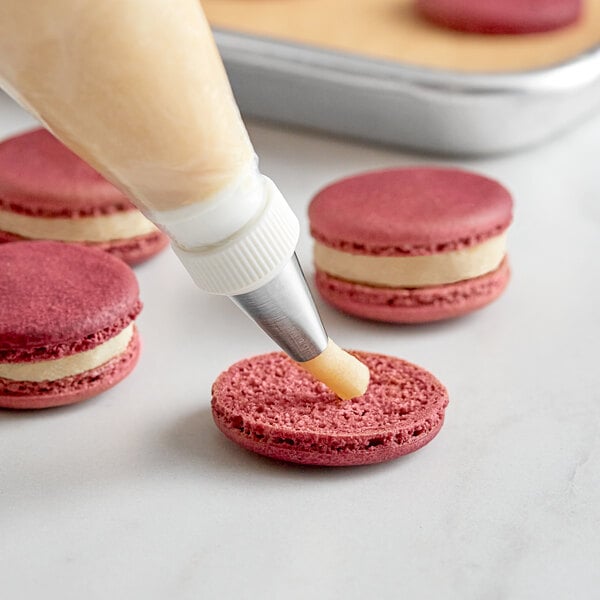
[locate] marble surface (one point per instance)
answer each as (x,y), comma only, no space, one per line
(136,494)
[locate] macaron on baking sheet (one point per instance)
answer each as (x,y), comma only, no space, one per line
(137,494)
(385,70)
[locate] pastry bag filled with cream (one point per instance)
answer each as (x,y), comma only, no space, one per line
(137,89)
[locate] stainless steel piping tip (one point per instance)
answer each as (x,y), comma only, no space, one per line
(285,310)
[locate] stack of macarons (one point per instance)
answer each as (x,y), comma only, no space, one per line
(67,328)
(47,192)
(411,245)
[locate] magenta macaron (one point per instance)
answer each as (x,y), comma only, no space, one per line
(47,192)
(67,327)
(270,405)
(501,16)
(411,245)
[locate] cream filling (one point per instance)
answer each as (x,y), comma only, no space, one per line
(171,135)
(104,228)
(51,370)
(413,271)
(340,371)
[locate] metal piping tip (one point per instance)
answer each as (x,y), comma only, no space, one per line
(284,309)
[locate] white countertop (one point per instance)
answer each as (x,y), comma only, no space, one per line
(136,494)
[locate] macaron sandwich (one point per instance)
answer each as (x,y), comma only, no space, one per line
(411,245)
(47,192)
(67,324)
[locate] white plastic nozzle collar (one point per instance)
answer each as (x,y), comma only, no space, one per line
(247,258)
(212,220)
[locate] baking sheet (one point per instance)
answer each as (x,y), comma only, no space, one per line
(374,97)
(393,30)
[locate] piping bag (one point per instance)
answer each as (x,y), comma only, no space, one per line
(137,89)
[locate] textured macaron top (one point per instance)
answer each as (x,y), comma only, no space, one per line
(409,211)
(40,176)
(271,399)
(58,299)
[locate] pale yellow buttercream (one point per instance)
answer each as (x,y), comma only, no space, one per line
(51,370)
(413,271)
(103,228)
(339,371)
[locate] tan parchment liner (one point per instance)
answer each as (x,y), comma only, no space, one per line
(392,29)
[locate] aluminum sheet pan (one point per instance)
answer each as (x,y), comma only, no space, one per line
(426,109)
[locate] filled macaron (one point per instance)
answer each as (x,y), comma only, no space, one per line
(270,405)
(411,245)
(48,193)
(67,324)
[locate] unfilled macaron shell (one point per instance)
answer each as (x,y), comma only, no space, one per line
(270,405)
(501,16)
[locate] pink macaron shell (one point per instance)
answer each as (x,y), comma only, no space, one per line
(138,249)
(269,405)
(413,305)
(69,390)
(6,237)
(133,250)
(409,212)
(59,299)
(40,176)
(501,16)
